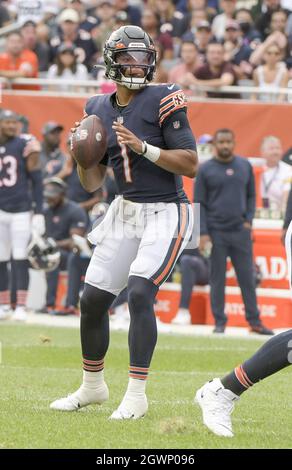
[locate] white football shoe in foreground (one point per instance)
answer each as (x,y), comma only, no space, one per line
(5,312)
(131,408)
(82,398)
(217,404)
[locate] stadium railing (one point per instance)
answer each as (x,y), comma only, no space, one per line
(48,86)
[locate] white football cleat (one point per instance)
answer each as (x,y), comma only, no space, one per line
(81,398)
(217,404)
(131,408)
(19,314)
(183,317)
(5,312)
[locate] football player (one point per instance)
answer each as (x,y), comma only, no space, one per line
(150,145)
(20,186)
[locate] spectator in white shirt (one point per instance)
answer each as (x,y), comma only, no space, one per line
(277,176)
(67,68)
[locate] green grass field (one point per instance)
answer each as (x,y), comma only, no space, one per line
(34,372)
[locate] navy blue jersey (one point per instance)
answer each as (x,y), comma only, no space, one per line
(137,178)
(62,219)
(15,194)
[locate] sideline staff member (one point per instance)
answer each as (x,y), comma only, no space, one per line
(226,192)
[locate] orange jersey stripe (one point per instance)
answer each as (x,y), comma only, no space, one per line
(169,112)
(176,247)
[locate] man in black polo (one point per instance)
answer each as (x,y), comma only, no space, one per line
(63,219)
(225,190)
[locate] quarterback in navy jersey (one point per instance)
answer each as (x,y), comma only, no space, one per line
(150,147)
(20,187)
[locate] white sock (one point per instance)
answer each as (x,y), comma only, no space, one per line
(136,387)
(92,380)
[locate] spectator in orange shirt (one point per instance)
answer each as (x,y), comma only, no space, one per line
(18,62)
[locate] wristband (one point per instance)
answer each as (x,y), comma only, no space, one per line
(150,152)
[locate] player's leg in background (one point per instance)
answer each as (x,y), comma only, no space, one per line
(217,397)
(52,278)
(20,236)
(193,271)
(167,231)
(217,279)
(5,250)
(12,285)
(76,268)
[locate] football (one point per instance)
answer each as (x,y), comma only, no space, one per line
(89,142)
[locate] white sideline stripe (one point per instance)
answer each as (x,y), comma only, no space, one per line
(233,290)
(172,330)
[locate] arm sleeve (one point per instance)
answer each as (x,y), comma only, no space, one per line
(251,197)
(177,132)
(201,198)
(288,213)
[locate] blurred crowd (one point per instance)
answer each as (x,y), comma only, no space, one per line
(211,43)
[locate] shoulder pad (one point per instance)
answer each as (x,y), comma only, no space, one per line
(92,103)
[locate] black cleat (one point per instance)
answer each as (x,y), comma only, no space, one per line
(219,329)
(261,330)
(47,309)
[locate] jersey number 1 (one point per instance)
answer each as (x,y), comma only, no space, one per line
(127,167)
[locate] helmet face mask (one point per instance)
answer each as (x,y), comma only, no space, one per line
(128,52)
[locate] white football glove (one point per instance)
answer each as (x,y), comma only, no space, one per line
(38,224)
